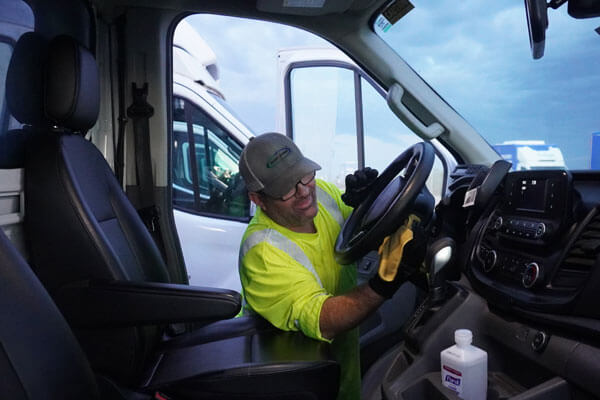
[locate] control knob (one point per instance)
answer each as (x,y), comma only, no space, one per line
(540,230)
(498,223)
(531,274)
(488,258)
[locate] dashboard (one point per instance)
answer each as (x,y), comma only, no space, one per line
(534,248)
(524,280)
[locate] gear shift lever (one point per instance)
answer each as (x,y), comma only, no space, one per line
(438,258)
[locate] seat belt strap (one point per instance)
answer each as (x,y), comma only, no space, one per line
(118,142)
(140,112)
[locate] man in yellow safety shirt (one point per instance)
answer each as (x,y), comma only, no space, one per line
(287,267)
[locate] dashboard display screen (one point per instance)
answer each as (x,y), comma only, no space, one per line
(538,194)
(530,195)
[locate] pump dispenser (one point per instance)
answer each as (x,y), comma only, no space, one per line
(464,367)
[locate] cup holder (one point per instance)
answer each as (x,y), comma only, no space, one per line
(500,387)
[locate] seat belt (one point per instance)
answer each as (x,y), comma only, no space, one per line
(122,118)
(140,112)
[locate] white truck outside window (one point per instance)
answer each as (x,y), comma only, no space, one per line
(323,114)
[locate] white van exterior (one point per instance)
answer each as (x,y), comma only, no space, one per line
(210,240)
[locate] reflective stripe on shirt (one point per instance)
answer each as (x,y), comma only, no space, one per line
(277,240)
(330,205)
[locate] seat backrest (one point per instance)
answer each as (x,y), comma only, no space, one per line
(77,212)
(39,356)
(24,96)
(79,223)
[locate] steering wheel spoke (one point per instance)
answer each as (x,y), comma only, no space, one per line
(389,203)
(411,166)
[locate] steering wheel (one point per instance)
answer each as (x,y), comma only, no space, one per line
(392,198)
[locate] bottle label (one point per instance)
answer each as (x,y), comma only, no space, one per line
(452,379)
(452,370)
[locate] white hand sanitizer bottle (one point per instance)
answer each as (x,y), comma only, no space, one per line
(464,367)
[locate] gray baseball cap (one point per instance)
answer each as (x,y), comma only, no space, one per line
(272,163)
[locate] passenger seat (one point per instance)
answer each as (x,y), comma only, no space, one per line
(39,356)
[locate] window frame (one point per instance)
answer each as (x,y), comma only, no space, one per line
(358,107)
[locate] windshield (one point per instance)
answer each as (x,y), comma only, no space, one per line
(536,113)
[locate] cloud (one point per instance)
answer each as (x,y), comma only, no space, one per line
(247,57)
(483,67)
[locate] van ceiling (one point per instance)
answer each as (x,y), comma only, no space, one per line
(239,7)
(74,19)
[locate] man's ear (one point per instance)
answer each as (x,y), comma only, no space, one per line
(257,199)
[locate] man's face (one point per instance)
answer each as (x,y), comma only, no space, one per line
(295,213)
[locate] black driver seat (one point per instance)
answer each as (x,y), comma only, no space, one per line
(94,255)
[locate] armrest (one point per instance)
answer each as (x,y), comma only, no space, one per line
(126,303)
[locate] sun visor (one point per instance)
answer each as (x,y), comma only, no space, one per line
(304,7)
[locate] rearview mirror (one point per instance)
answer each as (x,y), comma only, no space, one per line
(537,23)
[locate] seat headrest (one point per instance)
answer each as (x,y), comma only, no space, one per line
(24,79)
(72,89)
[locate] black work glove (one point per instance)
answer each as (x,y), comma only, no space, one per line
(400,256)
(358,185)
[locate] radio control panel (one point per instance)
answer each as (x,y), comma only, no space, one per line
(522,228)
(513,268)
(520,235)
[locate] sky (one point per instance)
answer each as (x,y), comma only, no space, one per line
(248,68)
(475,54)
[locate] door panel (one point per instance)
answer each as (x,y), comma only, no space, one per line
(211,205)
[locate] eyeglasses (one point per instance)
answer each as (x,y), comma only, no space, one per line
(305,180)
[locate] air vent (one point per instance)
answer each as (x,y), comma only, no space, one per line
(581,258)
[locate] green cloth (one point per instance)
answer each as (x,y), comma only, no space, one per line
(288,294)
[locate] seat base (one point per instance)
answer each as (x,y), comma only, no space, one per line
(245,358)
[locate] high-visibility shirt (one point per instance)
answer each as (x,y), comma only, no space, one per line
(287,276)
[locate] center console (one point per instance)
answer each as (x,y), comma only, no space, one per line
(518,366)
(522,240)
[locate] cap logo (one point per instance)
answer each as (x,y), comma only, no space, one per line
(278,156)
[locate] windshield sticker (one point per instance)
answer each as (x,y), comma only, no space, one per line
(470,197)
(304,3)
(392,14)
(382,23)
